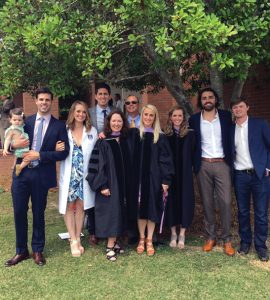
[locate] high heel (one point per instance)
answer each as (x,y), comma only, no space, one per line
(150,251)
(141,246)
(81,248)
(74,248)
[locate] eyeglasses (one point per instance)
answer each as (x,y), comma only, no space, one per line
(130,102)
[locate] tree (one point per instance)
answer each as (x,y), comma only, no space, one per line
(68,43)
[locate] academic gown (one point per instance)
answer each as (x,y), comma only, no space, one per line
(152,166)
(108,167)
(180,204)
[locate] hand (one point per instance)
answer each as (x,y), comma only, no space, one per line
(5,152)
(165,188)
(106,192)
(20,142)
(60,146)
(31,155)
(101,136)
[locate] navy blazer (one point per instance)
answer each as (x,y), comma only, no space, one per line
(56,131)
(258,144)
(225,124)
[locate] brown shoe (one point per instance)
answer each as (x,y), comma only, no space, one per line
(228,249)
(92,240)
(209,245)
(17,259)
(39,258)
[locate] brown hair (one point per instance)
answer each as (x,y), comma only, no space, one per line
(18,111)
(238,100)
(107,127)
(71,120)
(168,130)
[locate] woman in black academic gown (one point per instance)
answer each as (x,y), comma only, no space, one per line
(180,204)
(152,172)
(108,178)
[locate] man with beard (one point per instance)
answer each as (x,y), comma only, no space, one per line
(212,163)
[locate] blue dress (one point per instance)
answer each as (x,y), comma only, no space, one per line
(76,178)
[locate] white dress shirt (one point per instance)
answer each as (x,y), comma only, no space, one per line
(211,139)
(242,158)
(44,129)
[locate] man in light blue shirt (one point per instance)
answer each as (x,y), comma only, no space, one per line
(132,110)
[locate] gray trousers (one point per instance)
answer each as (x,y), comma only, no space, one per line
(214,181)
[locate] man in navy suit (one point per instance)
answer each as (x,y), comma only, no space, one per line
(251,150)
(212,163)
(36,179)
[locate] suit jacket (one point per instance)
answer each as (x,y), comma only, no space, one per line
(56,131)
(258,143)
(93,116)
(225,124)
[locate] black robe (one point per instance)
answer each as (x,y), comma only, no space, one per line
(152,166)
(180,204)
(108,167)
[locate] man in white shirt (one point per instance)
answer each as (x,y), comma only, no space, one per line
(212,163)
(251,149)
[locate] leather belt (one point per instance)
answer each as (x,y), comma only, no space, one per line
(247,171)
(213,160)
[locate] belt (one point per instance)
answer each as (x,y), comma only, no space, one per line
(213,160)
(32,165)
(247,171)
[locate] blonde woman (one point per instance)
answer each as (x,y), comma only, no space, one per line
(75,195)
(152,172)
(180,204)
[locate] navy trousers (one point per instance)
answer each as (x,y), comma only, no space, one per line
(24,186)
(247,185)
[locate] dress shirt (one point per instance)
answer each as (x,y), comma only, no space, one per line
(44,129)
(242,155)
(136,120)
(100,117)
(211,139)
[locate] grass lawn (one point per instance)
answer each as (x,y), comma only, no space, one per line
(170,274)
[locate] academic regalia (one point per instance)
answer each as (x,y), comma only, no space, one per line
(152,166)
(180,203)
(108,167)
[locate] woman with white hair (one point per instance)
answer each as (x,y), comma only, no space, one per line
(151,176)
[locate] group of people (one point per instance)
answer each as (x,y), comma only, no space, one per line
(128,175)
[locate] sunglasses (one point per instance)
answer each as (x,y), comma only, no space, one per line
(130,102)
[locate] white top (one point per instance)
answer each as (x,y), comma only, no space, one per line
(88,143)
(211,139)
(242,159)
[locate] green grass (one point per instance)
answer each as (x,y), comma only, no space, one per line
(170,274)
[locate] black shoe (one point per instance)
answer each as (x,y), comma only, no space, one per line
(244,249)
(263,254)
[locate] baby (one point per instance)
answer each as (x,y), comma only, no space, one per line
(12,133)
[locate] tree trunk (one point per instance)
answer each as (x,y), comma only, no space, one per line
(237,89)
(216,81)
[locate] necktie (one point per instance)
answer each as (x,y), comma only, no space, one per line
(39,139)
(132,123)
(104,113)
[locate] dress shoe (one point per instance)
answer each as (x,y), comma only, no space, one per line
(17,259)
(39,258)
(263,254)
(244,249)
(209,245)
(228,249)
(92,240)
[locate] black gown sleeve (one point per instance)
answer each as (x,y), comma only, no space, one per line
(97,176)
(165,160)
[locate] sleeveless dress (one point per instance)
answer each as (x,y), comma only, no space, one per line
(76,178)
(20,151)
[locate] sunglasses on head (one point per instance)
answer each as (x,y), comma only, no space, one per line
(130,102)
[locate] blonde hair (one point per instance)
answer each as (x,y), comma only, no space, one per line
(71,119)
(168,130)
(155,125)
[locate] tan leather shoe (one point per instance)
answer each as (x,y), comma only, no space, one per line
(228,249)
(209,245)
